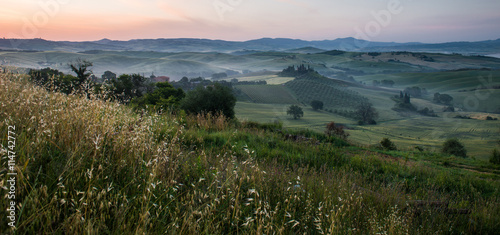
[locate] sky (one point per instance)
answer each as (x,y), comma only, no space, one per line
(429,21)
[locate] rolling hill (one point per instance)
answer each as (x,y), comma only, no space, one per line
(193,64)
(263,44)
(93,165)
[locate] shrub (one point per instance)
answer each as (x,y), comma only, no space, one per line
(443,98)
(449,109)
(454,147)
(317,105)
(366,113)
(495,157)
(164,96)
(128,86)
(387,144)
(212,99)
(420,149)
(336,130)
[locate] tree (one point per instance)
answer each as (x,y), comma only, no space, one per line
(336,130)
(366,113)
(164,96)
(495,157)
(54,80)
(443,98)
(108,75)
(212,99)
(301,70)
(295,111)
(414,91)
(436,97)
(219,76)
(80,67)
(198,79)
(406,99)
(128,86)
(449,108)
(454,147)
(317,105)
(42,76)
(387,144)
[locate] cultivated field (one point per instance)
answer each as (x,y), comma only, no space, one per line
(407,130)
(268,94)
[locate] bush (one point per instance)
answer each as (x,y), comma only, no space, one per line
(317,105)
(129,86)
(454,147)
(443,98)
(495,157)
(164,96)
(387,144)
(213,99)
(336,130)
(366,113)
(449,109)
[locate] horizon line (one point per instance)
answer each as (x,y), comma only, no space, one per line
(273,38)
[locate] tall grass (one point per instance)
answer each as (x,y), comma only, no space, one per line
(93,166)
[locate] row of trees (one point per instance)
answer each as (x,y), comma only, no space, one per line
(449,147)
(416,91)
(291,71)
(403,104)
(138,91)
(386,83)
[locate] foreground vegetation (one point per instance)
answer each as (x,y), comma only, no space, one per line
(87,165)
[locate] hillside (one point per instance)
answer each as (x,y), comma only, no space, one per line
(263,44)
(477,48)
(96,166)
(407,130)
(194,64)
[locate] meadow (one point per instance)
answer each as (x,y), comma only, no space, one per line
(95,166)
(268,94)
(407,130)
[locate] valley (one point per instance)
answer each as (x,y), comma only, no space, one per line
(472,81)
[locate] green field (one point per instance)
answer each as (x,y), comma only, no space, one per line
(268,94)
(439,81)
(270,79)
(407,130)
(478,136)
(268,113)
(333,95)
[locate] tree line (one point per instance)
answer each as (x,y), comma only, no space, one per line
(138,91)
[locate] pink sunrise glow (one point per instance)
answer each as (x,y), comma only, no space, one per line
(79,20)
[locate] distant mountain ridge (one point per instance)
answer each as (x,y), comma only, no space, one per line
(263,44)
